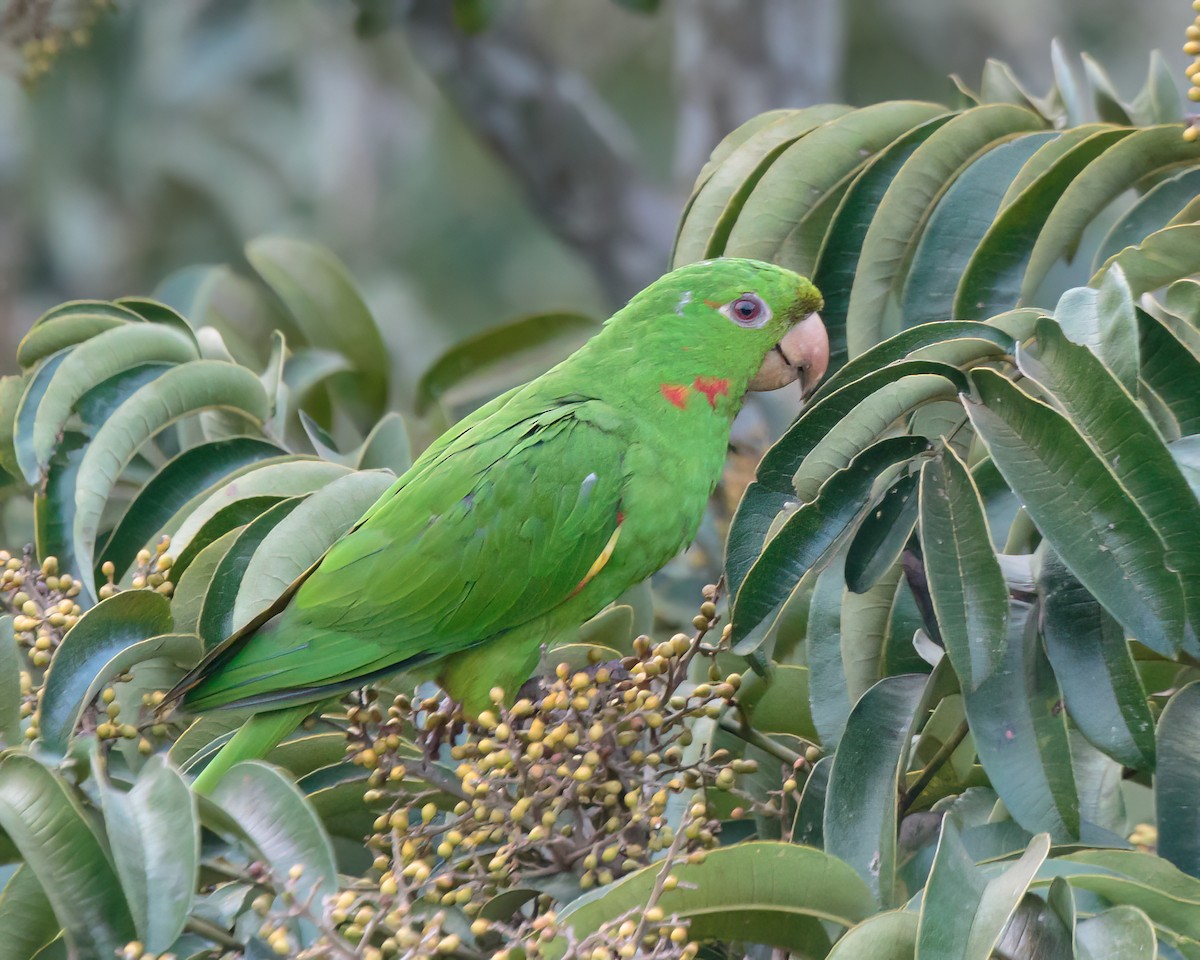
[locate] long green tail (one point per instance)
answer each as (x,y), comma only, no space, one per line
(257,737)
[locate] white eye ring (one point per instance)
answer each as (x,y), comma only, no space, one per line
(749,310)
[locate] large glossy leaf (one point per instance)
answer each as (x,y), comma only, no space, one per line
(882,535)
(54,504)
(87,366)
(829,698)
(273,815)
(1097,675)
(957,225)
(47,825)
(1122,933)
(26,917)
(1105,321)
(873,311)
(65,331)
(202,384)
(319,293)
(191,590)
(101,634)
(861,800)
(1114,426)
(865,623)
(992,280)
(807,535)
(1081,509)
(482,354)
(761,892)
(155,838)
(838,257)
(1177,783)
(795,185)
(885,936)
(178,482)
(779,705)
(963,914)
(301,538)
(711,214)
(1112,173)
(1008,689)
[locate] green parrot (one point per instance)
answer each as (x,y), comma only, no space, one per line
(529,516)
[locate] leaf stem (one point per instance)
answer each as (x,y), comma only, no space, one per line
(735,726)
(945,751)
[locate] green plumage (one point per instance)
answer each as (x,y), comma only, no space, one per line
(522,521)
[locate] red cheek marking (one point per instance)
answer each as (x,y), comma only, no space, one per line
(676,394)
(620,518)
(712,387)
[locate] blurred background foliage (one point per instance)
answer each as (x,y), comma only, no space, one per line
(464,178)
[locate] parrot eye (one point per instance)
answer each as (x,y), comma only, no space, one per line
(748,310)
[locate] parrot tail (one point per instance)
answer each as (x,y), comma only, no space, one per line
(257,737)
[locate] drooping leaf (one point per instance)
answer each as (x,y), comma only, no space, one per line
(886,936)
(26,916)
(1095,671)
(1178,780)
(1078,505)
(1007,687)
(1162,257)
(1154,210)
(1104,321)
(10,686)
(882,535)
(48,827)
(154,834)
(1121,933)
(861,801)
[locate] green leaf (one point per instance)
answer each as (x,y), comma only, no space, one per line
(1008,689)
(202,384)
(1110,421)
(494,350)
(273,480)
(155,837)
(217,615)
(176,484)
(1161,258)
(809,171)
(54,504)
(300,539)
(717,203)
(1118,169)
(763,892)
(962,914)
(1082,510)
(779,705)
(1152,211)
(957,225)
(1170,371)
(873,311)
(1160,100)
(46,339)
(861,800)
(882,535)
(26,917)
(88,365)
(318,291)
(772,490)
(992,281)
(838,258)
(866,621)
(76,670)
(387,446)
(885,936)
(829,698)
(1091,660)
(1121,933)
(808,534)
(191,590)
(1177,782)
(1108,103)
(10,686)
(1105,322)
(47,824)
(269,810)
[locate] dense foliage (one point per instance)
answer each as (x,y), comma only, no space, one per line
(949,670)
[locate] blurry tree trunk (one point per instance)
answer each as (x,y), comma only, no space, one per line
(572,154)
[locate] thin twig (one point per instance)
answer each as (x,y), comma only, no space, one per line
(733,725)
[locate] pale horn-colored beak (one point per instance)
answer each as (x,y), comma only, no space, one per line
(802,354)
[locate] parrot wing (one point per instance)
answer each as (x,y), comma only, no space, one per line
(499,526)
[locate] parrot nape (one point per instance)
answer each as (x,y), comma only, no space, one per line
(531,514)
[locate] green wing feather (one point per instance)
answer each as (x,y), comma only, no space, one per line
(500,533)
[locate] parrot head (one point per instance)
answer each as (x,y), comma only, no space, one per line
(739,324)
